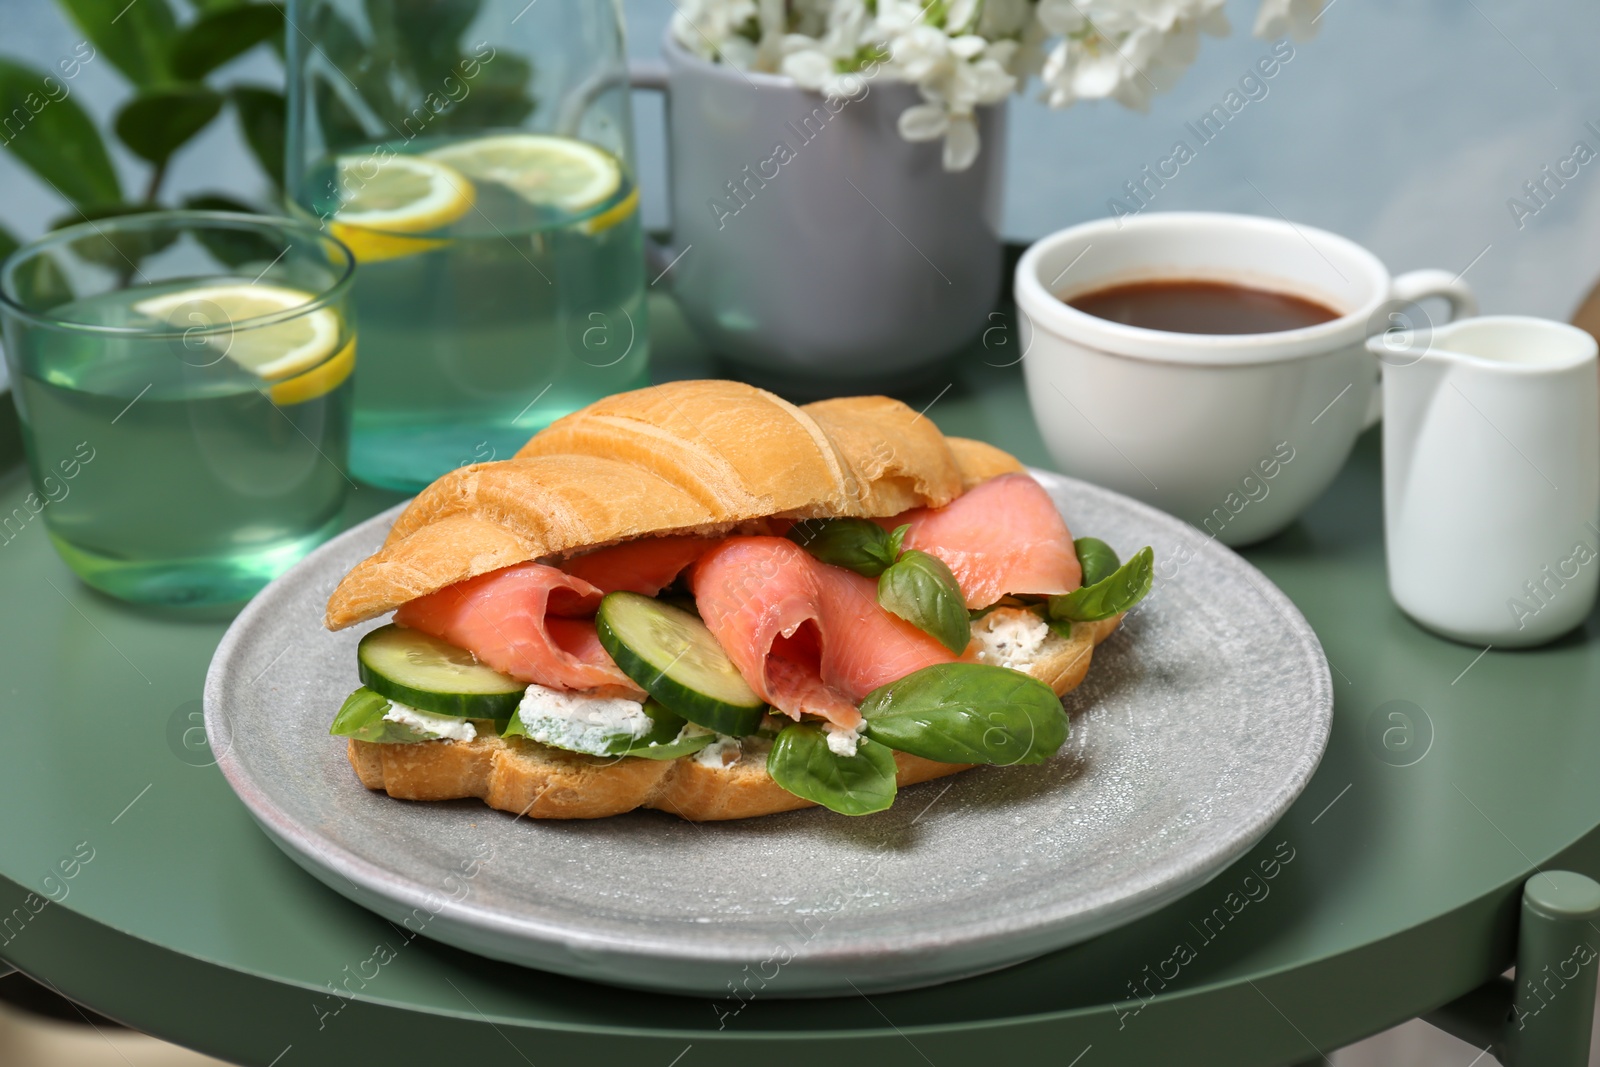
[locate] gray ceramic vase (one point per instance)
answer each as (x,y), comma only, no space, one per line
(813,247)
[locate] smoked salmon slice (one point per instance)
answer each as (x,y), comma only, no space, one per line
(520,621)
(808,637)
(646,566)
(1001,536)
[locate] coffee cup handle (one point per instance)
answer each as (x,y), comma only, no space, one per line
(651,74)
(1409,288)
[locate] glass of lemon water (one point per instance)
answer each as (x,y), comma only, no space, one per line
(184,382)
(476,157)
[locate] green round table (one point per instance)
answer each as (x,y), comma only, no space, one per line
(132,880)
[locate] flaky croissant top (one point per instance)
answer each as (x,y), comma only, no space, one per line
(686,457)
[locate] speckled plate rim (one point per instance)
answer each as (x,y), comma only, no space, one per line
(584,952)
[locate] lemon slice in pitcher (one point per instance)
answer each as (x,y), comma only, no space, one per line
(382,199)
(214,317)
(557,172)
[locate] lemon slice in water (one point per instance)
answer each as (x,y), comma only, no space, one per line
(381,199)
(558,172)
(323,378)
(272,352)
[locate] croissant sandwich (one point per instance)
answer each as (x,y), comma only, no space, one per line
(703,599)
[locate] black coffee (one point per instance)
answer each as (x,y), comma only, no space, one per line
(1195,306)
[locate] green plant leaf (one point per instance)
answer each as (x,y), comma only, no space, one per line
(207,7)
(423,36)
(221,35)
(497,94)
(134,36)
(116,251)
(854,544)
(234,248)
(1098,559)
(341,128)
(359,65)
(967,713)
(9,243)
(220,202)
(58,142)
(921,590)
(263,118)
(1112,595)
(157,122)
(802,763)
(40,284)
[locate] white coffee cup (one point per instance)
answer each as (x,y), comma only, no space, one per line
(1235,434)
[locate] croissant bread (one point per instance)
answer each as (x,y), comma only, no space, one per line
(691,457)
(685,457)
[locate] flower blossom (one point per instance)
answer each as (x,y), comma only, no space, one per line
(966,54)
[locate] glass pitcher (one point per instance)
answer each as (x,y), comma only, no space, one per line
(476,155)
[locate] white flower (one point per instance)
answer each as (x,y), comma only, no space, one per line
(810,69)
(923,122)
(1060,16)
(960,15)
(919,52)
(973,53)
(710,28)
(1288,18)
(960,143)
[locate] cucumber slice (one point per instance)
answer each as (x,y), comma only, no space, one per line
(428,674)
(668,737)
(672,655)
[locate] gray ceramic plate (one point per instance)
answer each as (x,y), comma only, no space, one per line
(1201,721)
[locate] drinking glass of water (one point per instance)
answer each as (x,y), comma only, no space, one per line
(476,157)
(184,384)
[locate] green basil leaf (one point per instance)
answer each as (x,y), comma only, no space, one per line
(263,119)
(362,717)
(133,36)
(359,708)
(1110,596)
(52,136)
(218,36)
(1098,559)
(854,544)
(967,713)
(802,763)
(689,740)
(921,590)
(897,540)
(157,122)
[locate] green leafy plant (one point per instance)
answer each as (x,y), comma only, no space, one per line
(167,64)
